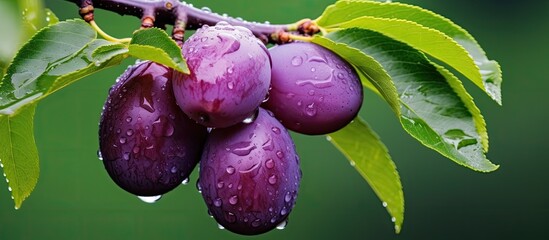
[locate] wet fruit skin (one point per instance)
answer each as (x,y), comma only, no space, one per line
(314,91)
(230,75)
(250,175)
(148,145)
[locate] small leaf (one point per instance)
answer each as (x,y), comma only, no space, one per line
(18,154)
(488,78)
(154,44)
(371,159)
(430,109)
(55,57)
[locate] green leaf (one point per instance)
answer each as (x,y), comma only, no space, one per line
(18,154)
(55,57)
(488,78)
(430,108)
(371,159)
(154,44)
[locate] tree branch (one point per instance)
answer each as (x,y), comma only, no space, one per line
(160,13)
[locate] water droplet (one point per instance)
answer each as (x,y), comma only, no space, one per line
(297,61)
(251,118)
(288,197)
(256,223)
(129,132)
(282,225)
(272,179)
(230,169)
(299,103)
(340,76)
(150,199)
(230,85)
(284,211)
(136,149)
(269,163)
(122,140)
(353,164)
(233,200)
(220,226)
(280,154)
(9,188)
(311,92)
(310,110)
(220,184)
(459,139)
(126,156)
(206,9)
(290,95)
(230,69)
(217,202)
(198,187)
(384,204)
(230,217)
(268,145)
(393,219)
(147,103)
(313,69)
(185,181)
(276,130)
(99,155)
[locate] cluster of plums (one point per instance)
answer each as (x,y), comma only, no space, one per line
(230,114)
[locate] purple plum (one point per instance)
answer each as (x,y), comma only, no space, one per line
(314,91)
(250,175)
(230,75)
(148,145)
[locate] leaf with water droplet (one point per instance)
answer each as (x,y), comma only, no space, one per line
(431,102)
(47,63)
(439,35)
(18,154)
(371,159)
(154,44)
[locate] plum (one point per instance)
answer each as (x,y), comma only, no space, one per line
(148,145)
(230,75)
(314,91)
(250,175)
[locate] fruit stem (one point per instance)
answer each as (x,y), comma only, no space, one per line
(107,36)
(169,11)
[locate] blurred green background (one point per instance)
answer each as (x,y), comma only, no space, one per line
(75,198)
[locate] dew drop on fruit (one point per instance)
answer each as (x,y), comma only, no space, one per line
(230,169)
(217,202)
(199,188)
(282,225)
(129,132)
(122,140)
(98,156)
(272,179)
(256,223)
(269,163)
(220,184)
(233,200)
(283,211)
(280,154)
(276,130)
(126,156)
(230,217)
(185,181)
(297,61)
(288,197)
(150,199)
(206,9)
(220,226)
